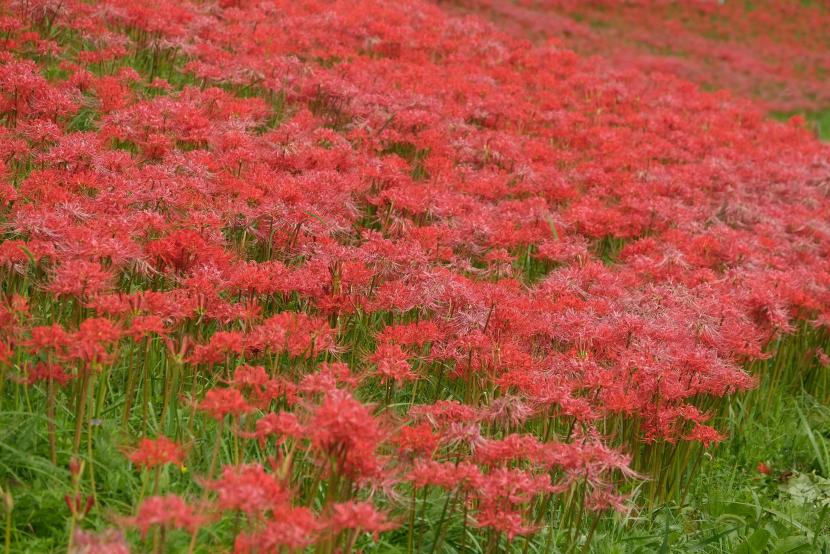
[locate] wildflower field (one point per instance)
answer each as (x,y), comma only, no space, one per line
(470,276)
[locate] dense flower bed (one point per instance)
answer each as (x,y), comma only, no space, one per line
(775,52)
(340,266)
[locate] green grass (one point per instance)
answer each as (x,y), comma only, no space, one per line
(821,120)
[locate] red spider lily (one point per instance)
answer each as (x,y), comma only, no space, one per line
(513,447)
(5,352)
(100,330)
(360,516)
(218,403)
(182,250)
(509,411)
(500,495)
(81,279)
(343,429)
(253,382)
(167,511)
(705,435)
(627,37)
(283,425)
(292,528)
(392,364)
(298,334)
(150,453)
(48,372)
(417,441)
(222,344)
(329,377)
(445,475)
(249,489)
(143,326)
(108,542)
(93,341)
(445,412)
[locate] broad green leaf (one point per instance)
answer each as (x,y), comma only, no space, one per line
(755,543)
(794,543)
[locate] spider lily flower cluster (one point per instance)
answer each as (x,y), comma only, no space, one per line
(774,52)
(329,280)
